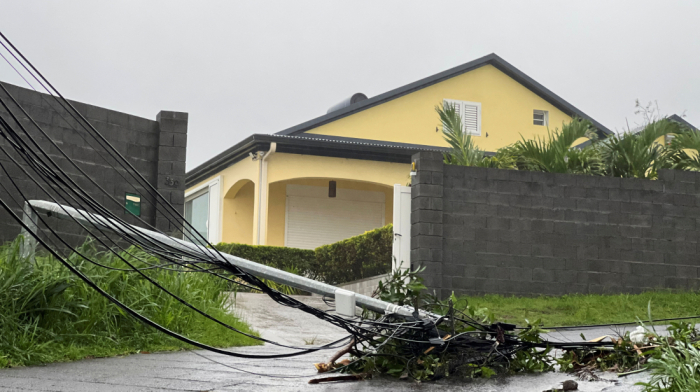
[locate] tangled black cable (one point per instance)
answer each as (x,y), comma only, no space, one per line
(406,337)
(54,182)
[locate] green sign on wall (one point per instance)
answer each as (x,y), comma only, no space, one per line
(132,203)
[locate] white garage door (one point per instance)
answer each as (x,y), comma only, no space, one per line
(314,219)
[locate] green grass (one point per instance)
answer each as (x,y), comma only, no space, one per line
(588,309)
(47,314)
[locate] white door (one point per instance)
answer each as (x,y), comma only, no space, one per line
(401,251)
(314,219)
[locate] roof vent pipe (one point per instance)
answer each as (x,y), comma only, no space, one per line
(355,98)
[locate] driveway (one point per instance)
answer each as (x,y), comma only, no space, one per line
(197,371)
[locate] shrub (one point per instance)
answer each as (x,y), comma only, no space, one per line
(301,261)
(358,257)
(47,314)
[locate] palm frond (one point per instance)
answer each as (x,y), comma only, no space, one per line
(685,150)
(638,154)
(556,153)
(463,150)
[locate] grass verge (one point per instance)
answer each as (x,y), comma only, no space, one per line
(588,309)
(49,315)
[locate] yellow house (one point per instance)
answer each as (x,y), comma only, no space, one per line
(332,177)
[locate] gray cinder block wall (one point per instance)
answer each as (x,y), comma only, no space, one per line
(481,230)
(156,149)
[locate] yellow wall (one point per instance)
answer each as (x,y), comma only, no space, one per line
(240,193)
(235,177)
(506,108)
(358,174)
(239,207)
(289,166)
(278,200)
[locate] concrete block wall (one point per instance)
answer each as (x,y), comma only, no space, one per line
(156,149)
(526,233)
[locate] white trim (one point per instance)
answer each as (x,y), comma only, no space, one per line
(544,114)
(401,249)
(286,216)
(262,195)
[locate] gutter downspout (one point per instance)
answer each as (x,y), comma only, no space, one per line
(262,194)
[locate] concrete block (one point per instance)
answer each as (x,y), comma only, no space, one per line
(498,223)
(522,225)
(532,213)
(508,212)
(553,191)
(542,202)
(429,216)
(542,275)
(497,174)
(585,181)
(519,175)
(426,190)
(640,220)
(587,252)
(498,199)
(567,180)
(620,194)
(587,204)
(575,216)
(508,187)
(572,191)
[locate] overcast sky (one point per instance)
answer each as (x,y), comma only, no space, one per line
(240,68)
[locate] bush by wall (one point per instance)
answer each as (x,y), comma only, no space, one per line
(358,257)
(302,261)
(355,258)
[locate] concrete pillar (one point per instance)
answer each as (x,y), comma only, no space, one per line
(172,149)
(426,217)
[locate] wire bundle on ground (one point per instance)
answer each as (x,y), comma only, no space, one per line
(409,338)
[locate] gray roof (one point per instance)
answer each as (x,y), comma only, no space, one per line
(491,59)
(309,144)
(682,121)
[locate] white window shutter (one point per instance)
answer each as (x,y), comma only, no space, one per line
(472,118)
(459,108)
(470,113)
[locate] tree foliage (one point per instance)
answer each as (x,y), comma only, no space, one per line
(638,155)
(576,148)
(556,153)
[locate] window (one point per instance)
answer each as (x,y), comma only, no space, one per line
(470,113)
(540,117)
(203,211)
(669,138)
(197,214)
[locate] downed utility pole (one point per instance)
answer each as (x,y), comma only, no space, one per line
(262,271)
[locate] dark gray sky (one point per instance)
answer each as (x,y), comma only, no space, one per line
(259,67)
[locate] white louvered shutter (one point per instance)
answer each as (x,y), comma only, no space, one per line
(459,108)
(472,118)
(470,113)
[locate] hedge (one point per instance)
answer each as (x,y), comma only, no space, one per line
(302,261)
(355,258)
(359,257)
